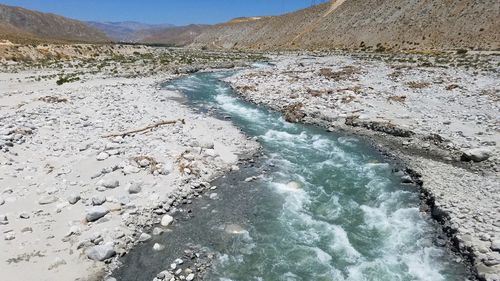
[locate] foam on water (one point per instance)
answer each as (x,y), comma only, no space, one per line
(339,213)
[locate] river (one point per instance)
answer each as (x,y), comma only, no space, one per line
(323,206)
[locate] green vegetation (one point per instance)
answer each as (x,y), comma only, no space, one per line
(67,79)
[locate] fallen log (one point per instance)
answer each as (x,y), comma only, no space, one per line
(149,127)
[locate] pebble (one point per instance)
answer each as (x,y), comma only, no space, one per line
(101,252)
(166,220)
(110,183)
(4,220)
(102,156)
(48,199)
(24,215)
(190,277)
(495,245)
(73,199)
(144,163)
(96,213)
(9,236)
(144,237)
(158,247)
(134,187)
(98,200)
(157,231)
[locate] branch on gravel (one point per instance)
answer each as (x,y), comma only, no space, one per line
(150,127)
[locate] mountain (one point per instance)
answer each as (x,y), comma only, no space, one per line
(127,31)
(19,24)
(382,24)
(175,36)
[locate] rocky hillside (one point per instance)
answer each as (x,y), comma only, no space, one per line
(174,36)
(18,24)
(382,24)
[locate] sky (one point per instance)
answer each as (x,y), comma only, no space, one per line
(179,12)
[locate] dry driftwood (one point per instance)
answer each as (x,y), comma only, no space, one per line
(149,127)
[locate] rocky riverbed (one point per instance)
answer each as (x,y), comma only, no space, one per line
(438,114)
(87,165)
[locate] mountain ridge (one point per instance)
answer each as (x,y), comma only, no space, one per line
(23,24)
(369,24)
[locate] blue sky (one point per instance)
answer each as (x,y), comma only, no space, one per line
(178,12)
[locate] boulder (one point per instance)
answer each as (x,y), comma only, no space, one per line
(101,252)
(96,213)
(476,154)
(166,220)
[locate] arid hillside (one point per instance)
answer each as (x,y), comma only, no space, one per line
(174,36)
(22,25)
(382,24)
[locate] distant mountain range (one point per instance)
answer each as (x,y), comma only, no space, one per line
(22,25)
(350,24)
(126,31)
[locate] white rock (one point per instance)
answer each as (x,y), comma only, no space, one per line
(157,231)
(48,199)
(109,183)
(129,169)
(98,200)
(167,220)
(158,247)
(144,237)
(101,252)
(495,245)
(476,154)
(96,213)
(9,236)
(102,156)
(73,199)
(134,187)
(190,277)
(144,163)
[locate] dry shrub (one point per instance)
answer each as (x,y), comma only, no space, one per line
(348,99)
(152,162)
(314,93)
(493,94)
(51,99)
(395,75)
(183,165)
(346,72)
(417,84)
(293,113)
(452,86)
(400,99)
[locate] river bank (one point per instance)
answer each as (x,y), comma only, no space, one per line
(92,157)
(432,117)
